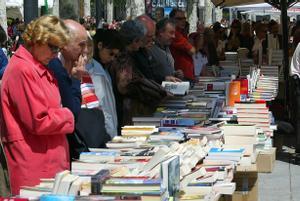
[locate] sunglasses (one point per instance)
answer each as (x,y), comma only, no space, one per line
(54,49)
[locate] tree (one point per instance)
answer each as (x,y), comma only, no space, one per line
(55,8)
(69,9)
(3,17)
(192,14)
(87,8)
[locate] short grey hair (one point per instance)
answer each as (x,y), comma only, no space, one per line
(132,30)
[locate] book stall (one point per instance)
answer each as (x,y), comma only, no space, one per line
(206,143)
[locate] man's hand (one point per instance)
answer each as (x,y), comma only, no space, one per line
(179,74)
(172,79)
(192,51)
(79,67)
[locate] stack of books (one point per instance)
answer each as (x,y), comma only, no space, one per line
(243,136)
(225,154)
(209,132)
(275,57)
(264,83)
(256,113)
(231,56)
(245,66)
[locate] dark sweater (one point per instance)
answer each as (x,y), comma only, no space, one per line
(69,87)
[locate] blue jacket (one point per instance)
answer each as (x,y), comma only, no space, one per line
(69,87)
(3,62)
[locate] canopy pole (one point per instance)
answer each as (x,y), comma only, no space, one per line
(285,48)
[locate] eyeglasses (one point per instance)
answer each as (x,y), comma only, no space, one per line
(54,49)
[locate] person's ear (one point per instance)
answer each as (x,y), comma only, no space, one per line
(99,45)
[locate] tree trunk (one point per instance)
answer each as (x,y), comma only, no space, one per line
(219,14)
(3,21)
(128,9)
(55,8)
(208,13)
(192,18)
(110,11)
(69,9)
(87,7)
(137,7)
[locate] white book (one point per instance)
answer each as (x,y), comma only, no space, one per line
(66,183)
(239,130)
(225,188)
(192,176)
(33,192)
(158,157)
(229,139)
(75,187)
(58,178)
(176,88)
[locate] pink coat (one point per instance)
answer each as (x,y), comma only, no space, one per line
(33,123)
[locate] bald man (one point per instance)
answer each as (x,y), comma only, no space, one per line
(68,69)
(69,65)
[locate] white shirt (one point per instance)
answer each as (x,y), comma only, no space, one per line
(273,42)
(257,47)
(200,60)
(295,63)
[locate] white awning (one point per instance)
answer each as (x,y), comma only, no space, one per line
(19,3)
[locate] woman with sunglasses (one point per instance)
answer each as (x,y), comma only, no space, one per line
(33,123)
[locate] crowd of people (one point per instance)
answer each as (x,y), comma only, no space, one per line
(66,88)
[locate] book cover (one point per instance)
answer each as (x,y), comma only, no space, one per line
(170,174)
(226,151)
(176,88)
(57,198)
(234,92)
(97,181)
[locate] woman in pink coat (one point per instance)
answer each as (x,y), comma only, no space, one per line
(33,123)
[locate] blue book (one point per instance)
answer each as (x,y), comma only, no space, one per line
(126,181)
(57,198)
(101,153)
(226,152)
(178,122)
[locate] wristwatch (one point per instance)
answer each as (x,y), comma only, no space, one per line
(295,77)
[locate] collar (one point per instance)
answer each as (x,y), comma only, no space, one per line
(42,70)
(61,58)
(95,67)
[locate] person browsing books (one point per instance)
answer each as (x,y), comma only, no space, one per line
(33,123)
(160,52)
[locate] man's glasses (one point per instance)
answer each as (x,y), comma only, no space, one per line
(54,49)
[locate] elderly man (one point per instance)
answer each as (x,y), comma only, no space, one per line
(69,65)
(144,60)
(68,69)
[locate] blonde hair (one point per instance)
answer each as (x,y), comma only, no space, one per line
(46,29)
